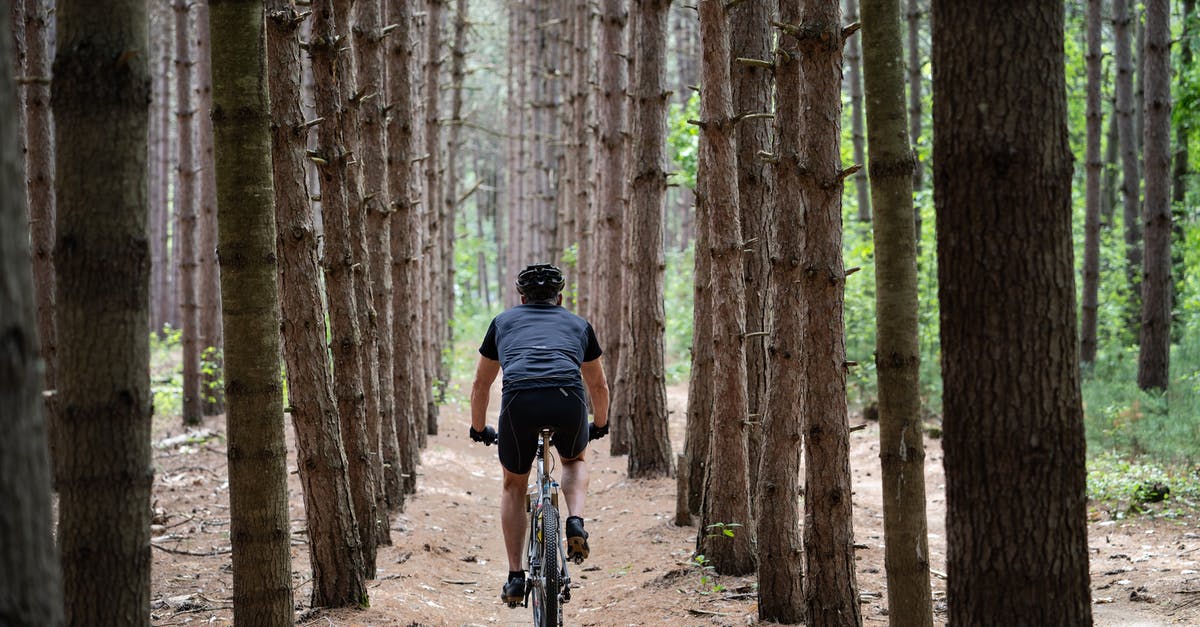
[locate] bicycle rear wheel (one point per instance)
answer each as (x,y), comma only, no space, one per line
(545,596)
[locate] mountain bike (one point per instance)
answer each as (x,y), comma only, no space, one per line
(548,584)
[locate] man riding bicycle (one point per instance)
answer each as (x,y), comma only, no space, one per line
(547,354)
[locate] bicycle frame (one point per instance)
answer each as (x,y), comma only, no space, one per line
(546,497)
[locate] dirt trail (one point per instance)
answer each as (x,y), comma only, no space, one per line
(446,564)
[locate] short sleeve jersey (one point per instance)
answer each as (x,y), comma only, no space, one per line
(540,346)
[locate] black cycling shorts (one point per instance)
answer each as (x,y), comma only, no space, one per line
(523,413)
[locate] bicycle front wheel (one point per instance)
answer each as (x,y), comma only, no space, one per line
(545,596)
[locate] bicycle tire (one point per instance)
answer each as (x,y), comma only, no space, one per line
(545,597)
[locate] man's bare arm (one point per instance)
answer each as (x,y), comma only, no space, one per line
(597,385)
(481,390)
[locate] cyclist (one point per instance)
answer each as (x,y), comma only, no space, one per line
(547,354)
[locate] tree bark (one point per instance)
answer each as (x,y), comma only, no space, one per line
(449,198)
(335,552)
(1179,175)
(100,102)
(185,206)
(162,263)
(1155,341)
(346,340)
(31,592)
(408,377)
(208,277)
(1130,178)
(580,192)
(1013,420)
(1091,227)
(697,445)
(39,183)
(854,67)
(915,119)
(649,448)
(897,346)
(727,483)
(432,295)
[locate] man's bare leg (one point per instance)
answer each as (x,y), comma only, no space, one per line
(513,517)
(575,484)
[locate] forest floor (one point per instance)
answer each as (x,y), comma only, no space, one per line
(446,563)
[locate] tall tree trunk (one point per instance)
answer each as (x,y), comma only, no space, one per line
(370,224)
(162,261)
(258,495)
(339,276)
(831,593)
(1179,175)
(750,38)
(31,592)
(727,482)
(580,193)
(897,346)
(697,446)
(39,181)
(1112,142)
(649,448)
(208,277)
(335,553)
(854,67)
(100,101)
(185,205)
(449,208)
(1014,421)
(915,120)
(1091,245)
(1154,356)
(780,560)
(408,377)
(432,295)
(1130,181)
(610,184)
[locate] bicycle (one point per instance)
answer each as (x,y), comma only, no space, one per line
(548,582)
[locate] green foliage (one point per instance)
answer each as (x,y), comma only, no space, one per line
(166,372)
(1124,486)
(708,578)
(683,141)
(212,378)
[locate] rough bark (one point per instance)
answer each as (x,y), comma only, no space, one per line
(915,121)
(1155,341)
(39,183)
(449,197)
(162,278)
(31,587)
(697,446)
(208,278)
(408,378)
(897,347)
(780,558)
(335,553)
(580,192)
(347,345)
(727,483)
(854,76)
(831,592)
(1130,178)
(649,448)
(185,206)
(1013,420)
(100,103)
(1091,225)
(258,496)
(432,294)
(610,183)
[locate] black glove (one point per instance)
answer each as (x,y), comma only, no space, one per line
(595,433)
(487,436)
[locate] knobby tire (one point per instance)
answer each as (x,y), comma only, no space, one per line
(545,599)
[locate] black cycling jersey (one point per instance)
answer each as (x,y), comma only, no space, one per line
(540,346)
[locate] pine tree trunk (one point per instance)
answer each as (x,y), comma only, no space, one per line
(1091,228)
(1155,341)
(854,63)
(185,205)
(449,207)
(897,347)
(750,38)
(100,99)
(163,264)
(339,276)
(649,448)
(831,593)
(1130,181)
(1112,143)
(727,483)
(31,593)
(915,119)
(208,277)
(610,185)
(1180,173)
(777,511)
(580,193)
(258,495)
(433,293)
(408,378)
(697,446)
(335,553)
(39,181)
(1013,421)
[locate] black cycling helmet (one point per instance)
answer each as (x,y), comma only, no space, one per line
(540,282)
